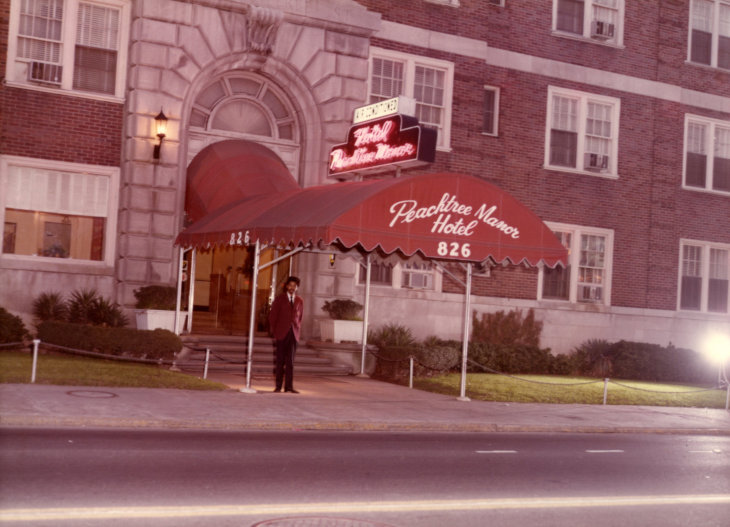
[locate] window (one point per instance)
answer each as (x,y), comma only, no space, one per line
(704,277)
(587,277)
(69,44)
(599,20)
(70,214)
(707,154)
(381,273)
(426,80)
(491,110)
(408,275)
(417,275)
(582,132)
(709,40)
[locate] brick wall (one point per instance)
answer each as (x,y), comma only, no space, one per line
(645,207)
(60,127)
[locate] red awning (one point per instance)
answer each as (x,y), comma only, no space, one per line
(230,171)
(440,216)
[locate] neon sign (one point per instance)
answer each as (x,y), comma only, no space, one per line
(381,143)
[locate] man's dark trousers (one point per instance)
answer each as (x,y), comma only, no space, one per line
(285,351)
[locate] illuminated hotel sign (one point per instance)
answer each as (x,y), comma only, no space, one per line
(381,139)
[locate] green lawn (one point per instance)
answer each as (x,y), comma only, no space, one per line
(15,367)
(572,390)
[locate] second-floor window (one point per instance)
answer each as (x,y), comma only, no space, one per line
(599,20)
(427,80)
(490,119)
(69,44)
(709,40)
(582,132)
(707,154)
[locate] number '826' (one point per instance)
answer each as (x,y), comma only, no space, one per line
(454,249)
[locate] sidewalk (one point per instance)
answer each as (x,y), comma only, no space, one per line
(331,403)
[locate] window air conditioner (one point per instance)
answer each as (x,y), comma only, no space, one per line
(588,293)
(596,162)
(602,30)
(417,280)
(45,72)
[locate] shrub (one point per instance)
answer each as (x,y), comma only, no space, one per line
(395,345)
(12,328)
(439,356)
(641,361)
(50,306)
(156,297)
(507,329)
(509,343)
(87,307)
(158,344)
(342,309)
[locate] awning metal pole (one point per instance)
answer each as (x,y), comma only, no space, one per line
(465,343)
(366,312)
(252,319)
(178,292)
(191,289)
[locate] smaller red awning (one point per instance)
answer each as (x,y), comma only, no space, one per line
(441,216)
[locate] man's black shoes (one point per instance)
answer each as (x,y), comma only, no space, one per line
(292,391)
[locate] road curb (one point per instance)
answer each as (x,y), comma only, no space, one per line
(352,426)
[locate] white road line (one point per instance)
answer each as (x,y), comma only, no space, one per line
(96,513)
(496,451)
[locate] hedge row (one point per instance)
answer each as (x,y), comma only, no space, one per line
(158,344)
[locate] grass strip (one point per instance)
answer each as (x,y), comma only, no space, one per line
(572,390)
(65,370)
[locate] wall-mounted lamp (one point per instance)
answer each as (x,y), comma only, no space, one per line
(161,127)
(332,259)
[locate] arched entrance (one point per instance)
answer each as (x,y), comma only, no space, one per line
(222,174)
(244,140)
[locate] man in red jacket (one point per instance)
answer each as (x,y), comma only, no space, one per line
(285,321)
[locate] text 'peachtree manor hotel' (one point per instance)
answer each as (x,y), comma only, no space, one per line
(608,119)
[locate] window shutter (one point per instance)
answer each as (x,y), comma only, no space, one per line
(57,192)
(97,36)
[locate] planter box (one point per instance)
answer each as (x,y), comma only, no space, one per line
(159,319)
(341,330)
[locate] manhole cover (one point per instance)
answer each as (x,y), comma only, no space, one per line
(92,394)
(310,521)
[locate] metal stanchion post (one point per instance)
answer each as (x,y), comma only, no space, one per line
(605,390)
(410,375)
(36,342)
(207,359)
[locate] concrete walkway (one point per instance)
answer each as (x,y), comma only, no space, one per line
(330,403)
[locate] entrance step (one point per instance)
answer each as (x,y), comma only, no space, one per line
(229,353)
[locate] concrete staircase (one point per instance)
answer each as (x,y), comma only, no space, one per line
(229,353)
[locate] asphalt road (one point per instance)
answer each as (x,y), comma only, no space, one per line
(161,478)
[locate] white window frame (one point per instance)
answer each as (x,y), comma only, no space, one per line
(583,99)
(495,119)
(410,62)
(399,280)
(589,31)
(715,33)
(110,224)
(709,142)
(17,68)
(577,231)
(705,247)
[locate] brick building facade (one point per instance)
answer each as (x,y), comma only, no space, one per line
(610,119)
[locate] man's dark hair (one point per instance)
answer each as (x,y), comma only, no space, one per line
(292,279)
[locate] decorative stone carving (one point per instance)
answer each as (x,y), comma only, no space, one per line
(263,25)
